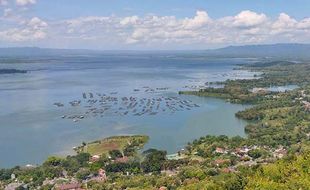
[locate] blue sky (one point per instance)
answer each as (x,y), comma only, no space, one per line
(152,24)
(57,9)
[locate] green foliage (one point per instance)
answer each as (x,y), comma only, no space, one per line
(5,174)
(131,167)
(255,153)
(153,161)
(193,172)
(52,161)
(115,154)
(83,173)
(285,174)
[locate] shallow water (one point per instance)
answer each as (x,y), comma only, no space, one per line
(31,126)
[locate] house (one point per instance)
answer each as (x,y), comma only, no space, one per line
(95,158)
(174,156)
(169,172)
(13,176)
(260,90)
(220,162)
(13,186)
(124,159)
(241,151)
(306,105)
(279,153)
(220,150)
(303,94)
(70,186)
(228,170)
(248,163)
(102,175)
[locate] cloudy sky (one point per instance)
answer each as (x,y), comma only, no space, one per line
(152,24)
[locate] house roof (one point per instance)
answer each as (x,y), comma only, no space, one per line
(122,159)
(69,186)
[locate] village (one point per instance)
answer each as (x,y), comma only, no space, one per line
(110,156)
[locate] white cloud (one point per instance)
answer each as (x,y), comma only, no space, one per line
(132,20)
(249,19)
(153,31)
(37,23)
(160,31)
(19,35)
(284,24)
(201,19)
(25,2)
(31,30)
(304,24)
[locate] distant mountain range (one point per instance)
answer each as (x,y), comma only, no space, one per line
(292,51)
(35,51)
(271,50)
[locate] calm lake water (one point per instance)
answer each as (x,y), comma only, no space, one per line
(31,127)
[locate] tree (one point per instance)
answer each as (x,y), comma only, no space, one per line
(83,173)
(115,154)
(255,153)
(53,161)
(153,160)
(83,158)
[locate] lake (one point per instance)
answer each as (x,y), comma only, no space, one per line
(32,128)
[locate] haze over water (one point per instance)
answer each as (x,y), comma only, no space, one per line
(31,126)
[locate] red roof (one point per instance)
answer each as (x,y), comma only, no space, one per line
(122,160)
(221,161)
(72,186)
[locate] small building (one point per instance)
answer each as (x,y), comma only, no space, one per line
(13,176)
(241,151)
(174,156)
(95,158)
(70,186)
(220,162)
(169,172)
(249,163)
(102,175)
(13,186)
(228,170)
(123,159)
(220,150)
(279,153)
(306,105)
(260,90)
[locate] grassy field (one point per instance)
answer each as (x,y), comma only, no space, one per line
(113,143)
